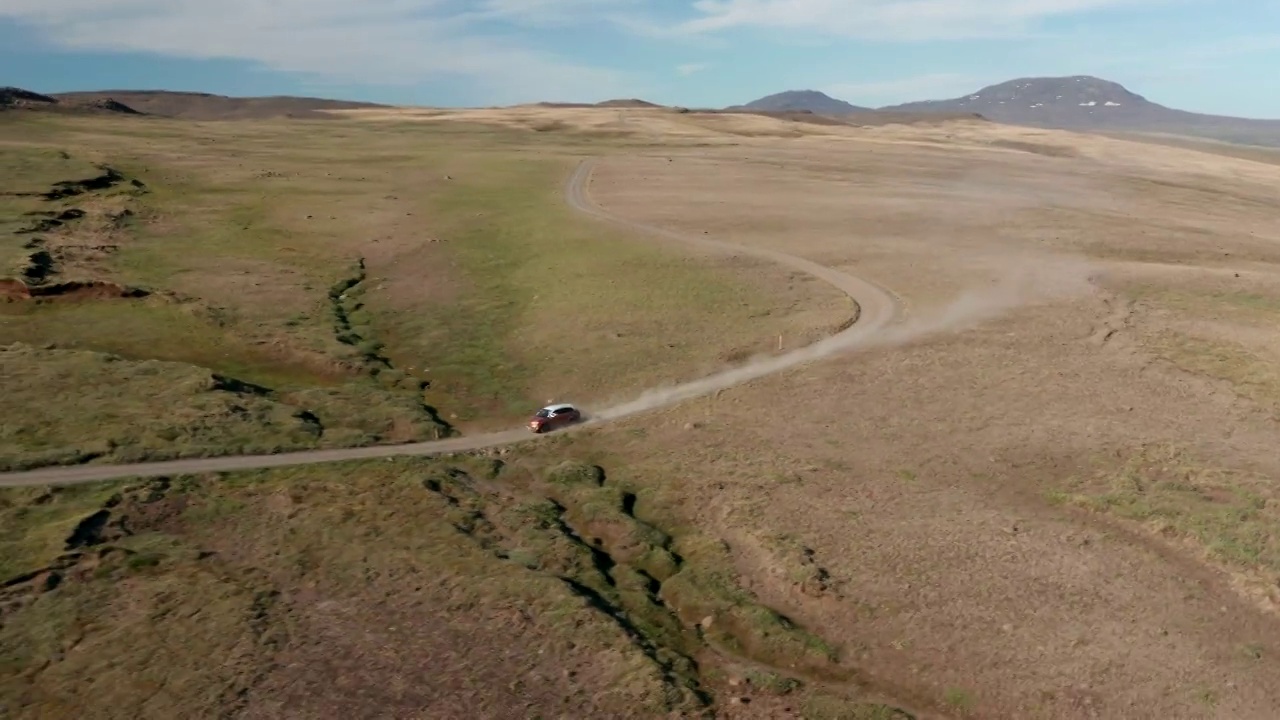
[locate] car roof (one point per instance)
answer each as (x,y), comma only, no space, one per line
(558,406)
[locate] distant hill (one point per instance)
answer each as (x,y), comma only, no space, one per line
(619,103)
(206,106)
(1077,101)
(627,103)
(801,101)
(12,98)
(1084,102)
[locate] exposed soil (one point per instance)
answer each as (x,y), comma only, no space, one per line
(16,289)
(925,477)
(50,220)
(50,259)
(109,178)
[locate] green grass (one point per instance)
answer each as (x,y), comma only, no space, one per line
(1230,514)
(1250,374)
(29,168)
(34,523)
(245,227)
(561,302)
(214,568)
(227,564)
(1238,304)
(33,168)
(153,329)
(959,700)
(150,410)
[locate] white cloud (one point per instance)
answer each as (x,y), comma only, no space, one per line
(688,69)
(553,13)
(934,86)
(357,41)
(890,20)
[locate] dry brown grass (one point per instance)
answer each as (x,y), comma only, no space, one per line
(1064,511)
(533,589)
(924,477)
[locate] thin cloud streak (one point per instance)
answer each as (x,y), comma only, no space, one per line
(395,42)
(893,20)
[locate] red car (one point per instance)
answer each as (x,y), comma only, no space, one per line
(554,416)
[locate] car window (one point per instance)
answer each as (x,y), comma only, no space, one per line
(543,413)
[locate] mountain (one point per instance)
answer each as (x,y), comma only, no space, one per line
(206,106)
(1079,101)
(1087,103)
(801,101)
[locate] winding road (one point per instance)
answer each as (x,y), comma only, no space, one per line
(877,308)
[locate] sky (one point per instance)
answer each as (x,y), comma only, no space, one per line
(1218,56)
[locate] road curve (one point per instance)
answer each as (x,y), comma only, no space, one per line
(877,307)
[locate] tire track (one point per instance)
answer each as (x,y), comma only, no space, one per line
(877,308)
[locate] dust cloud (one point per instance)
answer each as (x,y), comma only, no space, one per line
(1021,276)
(1021,282)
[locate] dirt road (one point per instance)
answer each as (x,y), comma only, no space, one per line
(877,308)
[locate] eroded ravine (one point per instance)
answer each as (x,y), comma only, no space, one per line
(877,308)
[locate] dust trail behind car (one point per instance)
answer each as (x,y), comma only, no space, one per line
(1023,282)
(1025,279)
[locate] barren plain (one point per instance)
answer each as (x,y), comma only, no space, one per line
(1047,490)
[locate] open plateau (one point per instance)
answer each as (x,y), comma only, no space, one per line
(881,414)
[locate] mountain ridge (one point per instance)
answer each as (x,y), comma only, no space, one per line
(1074,102)
(1088,103)
(209,106)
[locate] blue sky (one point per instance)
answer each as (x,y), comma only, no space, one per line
(1218,56)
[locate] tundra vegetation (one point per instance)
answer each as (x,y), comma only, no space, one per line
(1064,510)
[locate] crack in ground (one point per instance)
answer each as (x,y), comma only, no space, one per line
(344,300)
(620,566)
(679,670)
(40,265)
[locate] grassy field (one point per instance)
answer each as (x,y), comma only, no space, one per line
(1229,513)
(1216,327)
(530,557)
(350,285)
(393,282)
(1065,510)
